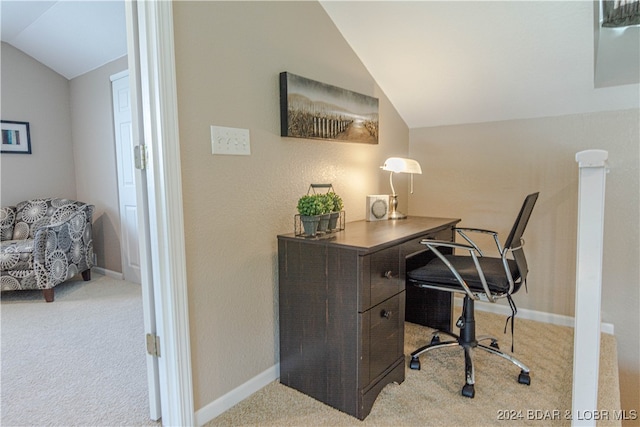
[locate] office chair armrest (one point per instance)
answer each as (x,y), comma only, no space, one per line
(475,230)
(433,246)
(461,232)
(447,244)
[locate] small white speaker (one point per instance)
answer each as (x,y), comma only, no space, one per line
(377,207)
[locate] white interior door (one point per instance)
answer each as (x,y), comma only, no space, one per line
(132,187)
(129,243)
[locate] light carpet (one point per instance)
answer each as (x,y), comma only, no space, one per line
(78,361)
(431,396)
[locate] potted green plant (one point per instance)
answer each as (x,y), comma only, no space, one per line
(310,207)
(325,212)
(336,206)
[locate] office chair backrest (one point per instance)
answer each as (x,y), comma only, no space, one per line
(513,240)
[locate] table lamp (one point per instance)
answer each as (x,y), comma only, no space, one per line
(399,165)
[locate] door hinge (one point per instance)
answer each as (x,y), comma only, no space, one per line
(140,156)
(153,345)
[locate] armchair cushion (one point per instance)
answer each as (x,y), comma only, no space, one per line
(17,255)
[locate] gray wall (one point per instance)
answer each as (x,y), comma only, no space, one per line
(72,142)
(95,158)
(481,173)
(36,94)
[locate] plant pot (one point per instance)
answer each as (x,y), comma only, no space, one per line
(310,224)
(324,222)
(333,220)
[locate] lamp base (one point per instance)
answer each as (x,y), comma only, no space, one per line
(393,213)
(397,215)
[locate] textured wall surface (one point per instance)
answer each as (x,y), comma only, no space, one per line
(228,59)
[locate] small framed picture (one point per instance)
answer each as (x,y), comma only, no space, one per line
(15,137)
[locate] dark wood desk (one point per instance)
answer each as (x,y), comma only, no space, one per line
(342,308)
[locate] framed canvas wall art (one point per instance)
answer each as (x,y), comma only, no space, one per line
(311,109)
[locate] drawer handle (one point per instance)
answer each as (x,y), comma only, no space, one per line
(388,275)
(386,314)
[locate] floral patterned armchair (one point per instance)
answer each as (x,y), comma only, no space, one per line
(45,242)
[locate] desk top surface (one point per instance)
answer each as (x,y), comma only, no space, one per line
(374,235)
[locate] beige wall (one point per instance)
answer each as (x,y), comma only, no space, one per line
(95,158)
(481,173)
(228,57)
(36,94)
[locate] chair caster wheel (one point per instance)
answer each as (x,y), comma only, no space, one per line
(494,344)
(524,378)
(415,364)
(468,391)
(435,340)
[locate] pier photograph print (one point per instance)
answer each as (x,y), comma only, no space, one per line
(311,109)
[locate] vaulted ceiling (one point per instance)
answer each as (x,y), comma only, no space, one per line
(439,62)
(70,37)
(451,62)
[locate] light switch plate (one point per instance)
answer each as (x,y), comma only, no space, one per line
(230,141)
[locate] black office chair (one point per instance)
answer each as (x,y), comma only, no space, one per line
(479,278)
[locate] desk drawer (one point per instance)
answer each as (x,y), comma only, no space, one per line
(383,276)
(383,337)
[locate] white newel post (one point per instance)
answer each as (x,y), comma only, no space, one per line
(586,344)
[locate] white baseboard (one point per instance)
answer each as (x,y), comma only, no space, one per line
(108,273)
(237,395)
(538,316)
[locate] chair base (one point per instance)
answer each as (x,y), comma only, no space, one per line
(468,342)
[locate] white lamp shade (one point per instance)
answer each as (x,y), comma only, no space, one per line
(399,164)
